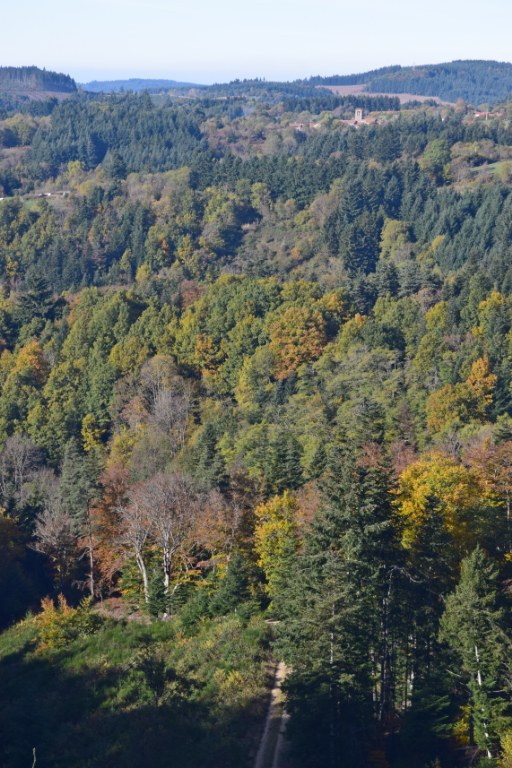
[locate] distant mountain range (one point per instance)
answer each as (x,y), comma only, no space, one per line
(475,81)
(134,84)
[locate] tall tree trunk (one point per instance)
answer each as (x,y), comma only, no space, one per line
(90,554)
(484,719)
(143,572)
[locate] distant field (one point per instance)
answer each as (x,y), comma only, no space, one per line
(360,89)
(34,95)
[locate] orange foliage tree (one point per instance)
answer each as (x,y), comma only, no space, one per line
(297,336)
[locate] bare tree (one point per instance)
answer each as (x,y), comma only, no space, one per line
(168,503)
(55,537)
(156,375)
(170,412)
(135,531)
(167,396)
(19,460)
(159,511)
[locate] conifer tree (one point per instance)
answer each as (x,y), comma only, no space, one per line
(337,611)
(472,627)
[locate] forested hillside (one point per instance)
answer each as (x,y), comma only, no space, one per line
(477,82)
(133,84)
(255,365)
(34,79)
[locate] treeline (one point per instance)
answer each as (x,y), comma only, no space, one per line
(134,84)
(356,79)
(327,102)
(477,82)
(33,78)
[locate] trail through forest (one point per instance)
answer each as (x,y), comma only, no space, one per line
(273,750)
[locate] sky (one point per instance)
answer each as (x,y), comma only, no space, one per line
(207,41)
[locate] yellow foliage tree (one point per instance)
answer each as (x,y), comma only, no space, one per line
(455,404)
(275,537)
(92,432)
(459,491)
(30,366)
(481,383)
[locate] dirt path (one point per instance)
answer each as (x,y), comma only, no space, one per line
(273,746)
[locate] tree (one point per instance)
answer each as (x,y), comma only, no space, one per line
(284,466)
(275,539)
(297,336)
(456,404)
(135,533)
(55,535)
(166,504)
(77,488)
(472,626)
(105,528)
(336,615)
(18,461)
(434,159)
(37,300)
(494,463)
(462,496)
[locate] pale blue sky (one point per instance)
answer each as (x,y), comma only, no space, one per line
(219,40)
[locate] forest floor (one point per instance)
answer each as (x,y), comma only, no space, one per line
(273,749)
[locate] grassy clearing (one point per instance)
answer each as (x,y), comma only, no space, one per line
(131,695)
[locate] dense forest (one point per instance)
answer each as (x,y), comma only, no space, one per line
(35,79)
(256,405)
(477,82)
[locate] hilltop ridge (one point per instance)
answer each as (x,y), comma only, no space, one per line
(135,84)
(475,81)
(30,81)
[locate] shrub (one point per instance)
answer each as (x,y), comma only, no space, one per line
(59,624)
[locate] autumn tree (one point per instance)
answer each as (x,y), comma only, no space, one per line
(160,510)
(297,336)
(105,528)
(276,539)
(462,496)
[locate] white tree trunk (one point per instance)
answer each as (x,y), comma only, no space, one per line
(479,681)
(143,572)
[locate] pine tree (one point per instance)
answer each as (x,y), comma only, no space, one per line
(77,487)
(77,484)
(285,470)
(472,627)
(37,299)
(337,608)
(234,588)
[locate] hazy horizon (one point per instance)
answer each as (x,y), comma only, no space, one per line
(106,76)
(278,40)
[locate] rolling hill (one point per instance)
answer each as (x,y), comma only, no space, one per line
(134,84)
(32,82)
(475,81)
